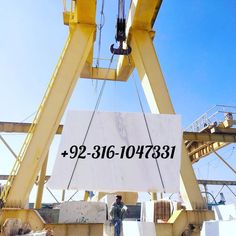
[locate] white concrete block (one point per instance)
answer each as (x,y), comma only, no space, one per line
(210,228)
(219,228)
(147,211)
(225,212)
(136,228)
(108,229)
(83,212)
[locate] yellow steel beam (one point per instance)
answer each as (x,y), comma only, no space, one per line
(99,73)
(14,127)
(82,12)
(181,219)
(5,177)
(80,229)
(49,117)
(198,150)
(158,98)
(150,73)
(142,15)
(41,181)
(223,130)
(85,11)
(229,136)
(200,181)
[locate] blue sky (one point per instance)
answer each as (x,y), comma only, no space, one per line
(195,43)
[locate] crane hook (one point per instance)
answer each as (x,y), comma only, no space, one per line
(120,50)
(120,33)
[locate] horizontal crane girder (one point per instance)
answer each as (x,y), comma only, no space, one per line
(229,136)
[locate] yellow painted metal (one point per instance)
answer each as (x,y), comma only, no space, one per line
(125,67)
(203,138)
(76,229)
(99,73)
(226,135)
(164,229)
(19,127)
(51,110)
(158,98)
(127,197)
(85,12)
(86,195)
(142,15)
(198,150)
(82,12)
(154,196)
(26,215)
(149,71)
(66,17)
(180,221)
(41,181)
(175,226)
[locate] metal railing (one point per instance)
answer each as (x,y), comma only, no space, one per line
(213,116)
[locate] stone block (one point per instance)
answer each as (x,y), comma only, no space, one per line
(225,212)
(219,228)
(136,228)
(83,212)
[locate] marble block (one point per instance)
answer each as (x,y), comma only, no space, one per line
(83,212)
(219,228)
(225,212)
(136,228)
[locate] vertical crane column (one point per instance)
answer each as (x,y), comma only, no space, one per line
(149,70)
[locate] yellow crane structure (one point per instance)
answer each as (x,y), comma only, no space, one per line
(75,62)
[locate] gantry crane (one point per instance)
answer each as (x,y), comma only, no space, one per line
(75,62)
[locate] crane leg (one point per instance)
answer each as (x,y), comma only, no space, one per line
(41,181)
(155,89)
(51,110)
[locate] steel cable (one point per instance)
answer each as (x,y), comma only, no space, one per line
(147,127)
(91,119)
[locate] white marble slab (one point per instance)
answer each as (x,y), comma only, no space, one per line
(83,212)
(219,228)
(225,212)
(136,228)
(117,153)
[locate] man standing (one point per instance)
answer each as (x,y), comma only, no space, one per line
(117,214)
